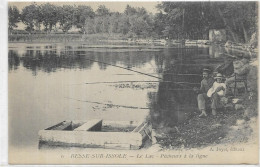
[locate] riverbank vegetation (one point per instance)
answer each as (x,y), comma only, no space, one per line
(235,123)
(174,20)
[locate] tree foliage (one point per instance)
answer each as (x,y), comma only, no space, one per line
(49,16)
(13,17)
(83,16)
(174,20)
(194,19)
(65,17)
(30,16)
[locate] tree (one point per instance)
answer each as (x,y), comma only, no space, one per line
(83,15)
(102,11)
(141,23)
(49,16)
(65,17)
(239,18)
(137,22)
(30,16)
(102,19)
(123,24)
(159,25)
(185,17)
(130,10)
(195,19)
(13,17)
(191,20)
(139,26)
(114,23)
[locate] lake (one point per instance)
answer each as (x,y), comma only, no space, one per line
(50,83)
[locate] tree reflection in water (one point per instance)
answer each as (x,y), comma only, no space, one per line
(51,60)
(175,100)
(171,104)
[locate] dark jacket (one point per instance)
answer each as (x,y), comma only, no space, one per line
(206,84)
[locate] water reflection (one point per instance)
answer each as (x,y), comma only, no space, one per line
(171,102)
(13,60)
(50,61)
(175,99)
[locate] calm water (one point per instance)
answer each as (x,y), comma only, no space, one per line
(50,83)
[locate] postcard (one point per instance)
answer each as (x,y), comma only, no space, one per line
(128,82)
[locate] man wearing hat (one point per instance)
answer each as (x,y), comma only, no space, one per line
(206,84)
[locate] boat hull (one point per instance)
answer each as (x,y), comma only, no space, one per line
(83,134)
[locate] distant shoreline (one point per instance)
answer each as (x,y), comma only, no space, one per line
(96,41)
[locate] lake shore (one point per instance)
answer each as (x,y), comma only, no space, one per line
(119,40)
(237,124)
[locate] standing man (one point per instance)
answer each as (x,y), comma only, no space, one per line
(206,84)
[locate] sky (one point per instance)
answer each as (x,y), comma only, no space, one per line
(114,6)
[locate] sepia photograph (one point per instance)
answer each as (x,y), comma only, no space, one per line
(124,82)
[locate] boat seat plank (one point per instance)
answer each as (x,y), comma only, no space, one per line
(91,125)
(61,126)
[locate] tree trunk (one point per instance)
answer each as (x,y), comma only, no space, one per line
(95,26)
(50,27)
(226,24)
(46,28)
(103,25)
(234,23)
(183,17)
(245,33)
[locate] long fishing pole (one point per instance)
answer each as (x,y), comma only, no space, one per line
(140,81)
(124,68)
(167,74)
(107,104)
(133,71)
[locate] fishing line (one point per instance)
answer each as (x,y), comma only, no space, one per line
(124,68)
(132,107)
(166,74)
(107,104)
(90,83)
(140,81)
(114,82)
(181,84)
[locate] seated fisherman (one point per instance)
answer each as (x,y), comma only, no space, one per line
(241,68)
(215,93)
(226,68)
(202,98)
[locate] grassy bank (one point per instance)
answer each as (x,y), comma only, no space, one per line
(72,37)
(118,39)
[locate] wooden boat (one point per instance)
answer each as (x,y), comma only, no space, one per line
(97,133)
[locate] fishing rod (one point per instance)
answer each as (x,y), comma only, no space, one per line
(108,104)
(139,81)
(133,71)
(114,82)
(167,74)
(202,64)
(124,68)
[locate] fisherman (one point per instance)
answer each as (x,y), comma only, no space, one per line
(226,68)
(206,84)
(216,92)
(241,69)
